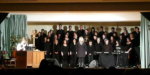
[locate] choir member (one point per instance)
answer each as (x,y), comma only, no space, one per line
(56,50)
(136,34)
(133,52)
(65,54)
(80,32)
(107,56)
(98,48)
(60,33)
(73,53)
(37,40)
(94,39)
(81,51)
(112,32)
(42,39)
(90,52)
(86,33)
(101,32)
(92,33)
(48,48)
(71,32)
(75,36)
(112,42)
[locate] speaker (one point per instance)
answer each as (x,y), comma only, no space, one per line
(49,64)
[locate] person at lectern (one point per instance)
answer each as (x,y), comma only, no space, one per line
(22,45)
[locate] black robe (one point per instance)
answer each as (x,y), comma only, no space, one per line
(64,50)
(48,49)
(73,57)
(56,48)
(91,50)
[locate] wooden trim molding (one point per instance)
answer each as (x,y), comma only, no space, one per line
(106,6)
(87,23)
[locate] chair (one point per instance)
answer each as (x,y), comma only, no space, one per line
(8,61)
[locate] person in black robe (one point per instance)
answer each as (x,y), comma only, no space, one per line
(65,54)
(73,53)
(107,59)
(48,48)
(101,32)
(112,42)
(37,40)
(90,52)
(98,48)
(133,53)
(60,33)
(71,33)
(56,51)
(136,34)
(81,32)
(92,33)
(123,38)
(42,39)
(112,32)
(81,51)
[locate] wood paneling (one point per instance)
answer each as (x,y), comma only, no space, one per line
(29,58)
(87,23)
(115,6)
(68,1)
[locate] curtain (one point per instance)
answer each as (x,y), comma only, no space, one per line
(145,42)
(12,27)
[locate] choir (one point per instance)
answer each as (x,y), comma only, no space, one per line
(79,48)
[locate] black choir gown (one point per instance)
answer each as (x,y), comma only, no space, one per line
(98,48)
(73,57)
(107,59)
(56,48)
(48,49)
(91,51)
(65,56)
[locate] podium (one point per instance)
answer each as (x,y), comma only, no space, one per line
(25,59)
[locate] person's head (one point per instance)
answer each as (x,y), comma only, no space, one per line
(106,42)
(47,40)
(117,43)
(121,37)
(113,29)
(39,33)
(98,40)
(90,43)
(65,42)
(81,27)
(75,35)
(81,40)
(137,29)
(95,33)
(92,29)
(115,34)
(42,30)
(86,31)
(60,26)
(131,36)
(95,37)
(66,35)
(55,36)
(101,28)
(103,36)
(70,27)
(55,41)
(111,38)
(74,41)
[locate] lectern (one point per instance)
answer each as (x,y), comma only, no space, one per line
(29,58)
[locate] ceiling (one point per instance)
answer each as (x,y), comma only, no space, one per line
(82,16)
